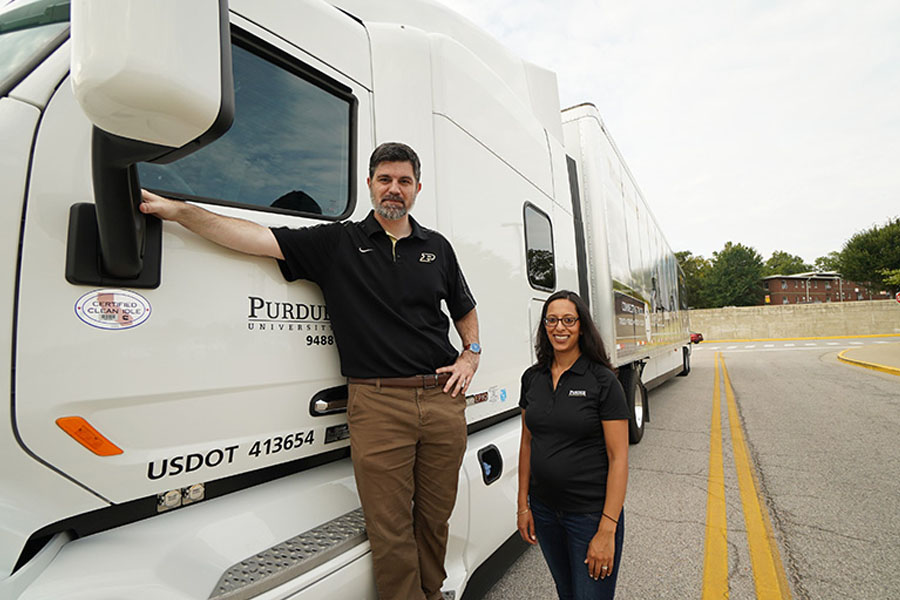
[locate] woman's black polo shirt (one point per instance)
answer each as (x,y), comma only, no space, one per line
(569,465)
(385,307)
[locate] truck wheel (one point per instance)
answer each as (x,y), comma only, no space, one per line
(685,362)
(636,398)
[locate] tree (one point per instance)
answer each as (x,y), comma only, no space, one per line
(829,262)
(782,263)
(868,253)
(891,278)
(735,277)
(696,269)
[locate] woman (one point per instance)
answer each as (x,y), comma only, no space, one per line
(573,456)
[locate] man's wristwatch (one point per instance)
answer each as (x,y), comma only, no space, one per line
(474,348)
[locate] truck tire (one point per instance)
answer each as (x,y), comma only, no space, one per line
(685,362)
(636,398)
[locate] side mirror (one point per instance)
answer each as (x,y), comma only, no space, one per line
(155,79)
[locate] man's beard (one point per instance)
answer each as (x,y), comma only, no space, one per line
(390,212)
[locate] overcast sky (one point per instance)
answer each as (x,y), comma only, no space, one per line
(772,124)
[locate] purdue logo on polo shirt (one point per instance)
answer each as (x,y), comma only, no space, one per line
(427,257)
(579,393)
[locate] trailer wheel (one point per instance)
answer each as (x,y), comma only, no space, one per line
(636,397)
(685,362)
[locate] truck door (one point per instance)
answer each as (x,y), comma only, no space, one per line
(136,392)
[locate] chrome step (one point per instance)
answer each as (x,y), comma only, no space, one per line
(290,559)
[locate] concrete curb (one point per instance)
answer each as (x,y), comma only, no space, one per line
(797,320)
(867,365)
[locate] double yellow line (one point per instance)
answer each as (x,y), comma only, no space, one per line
(769,576)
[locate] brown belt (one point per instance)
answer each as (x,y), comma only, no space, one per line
(415,381)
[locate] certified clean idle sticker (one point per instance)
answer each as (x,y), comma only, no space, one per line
(112,309)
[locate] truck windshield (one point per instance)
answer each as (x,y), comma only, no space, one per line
(27,30)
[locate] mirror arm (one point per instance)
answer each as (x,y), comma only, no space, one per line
(117,194)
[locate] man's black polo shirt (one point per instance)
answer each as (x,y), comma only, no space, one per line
(385,307)
(569,465)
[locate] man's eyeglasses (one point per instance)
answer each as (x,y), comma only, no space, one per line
(567,321)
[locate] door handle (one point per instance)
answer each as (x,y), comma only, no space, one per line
(329,401)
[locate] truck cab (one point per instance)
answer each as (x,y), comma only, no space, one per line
(176,422)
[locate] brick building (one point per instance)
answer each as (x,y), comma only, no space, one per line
(812,288)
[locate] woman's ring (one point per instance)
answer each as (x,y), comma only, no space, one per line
(604,568)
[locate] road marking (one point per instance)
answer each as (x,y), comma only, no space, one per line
(856,343)
(819,337)
(789,345)
(809,344)
(835,343)
(731,347)
(768,345)
(715,554)
(798,349)
(768,572)
(752,346)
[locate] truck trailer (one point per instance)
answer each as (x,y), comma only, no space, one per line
(176,424)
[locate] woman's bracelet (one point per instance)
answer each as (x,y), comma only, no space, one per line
(609,517)
(522,512)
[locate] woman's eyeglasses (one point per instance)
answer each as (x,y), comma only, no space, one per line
(552,321)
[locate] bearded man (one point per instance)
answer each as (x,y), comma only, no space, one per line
(384,279)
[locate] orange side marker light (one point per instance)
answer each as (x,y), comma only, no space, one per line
(83,433)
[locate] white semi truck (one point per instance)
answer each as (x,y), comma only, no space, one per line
(175,426)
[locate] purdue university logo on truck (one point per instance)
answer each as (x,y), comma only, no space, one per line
(297,317)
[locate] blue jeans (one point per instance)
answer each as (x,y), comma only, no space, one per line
(564,538)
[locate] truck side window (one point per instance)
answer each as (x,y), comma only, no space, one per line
(539,249)
(290,148)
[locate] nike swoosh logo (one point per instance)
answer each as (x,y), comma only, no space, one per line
(364,250)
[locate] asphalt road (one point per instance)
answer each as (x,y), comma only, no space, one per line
(822,437)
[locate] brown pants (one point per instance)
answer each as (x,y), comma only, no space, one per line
(407,446)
